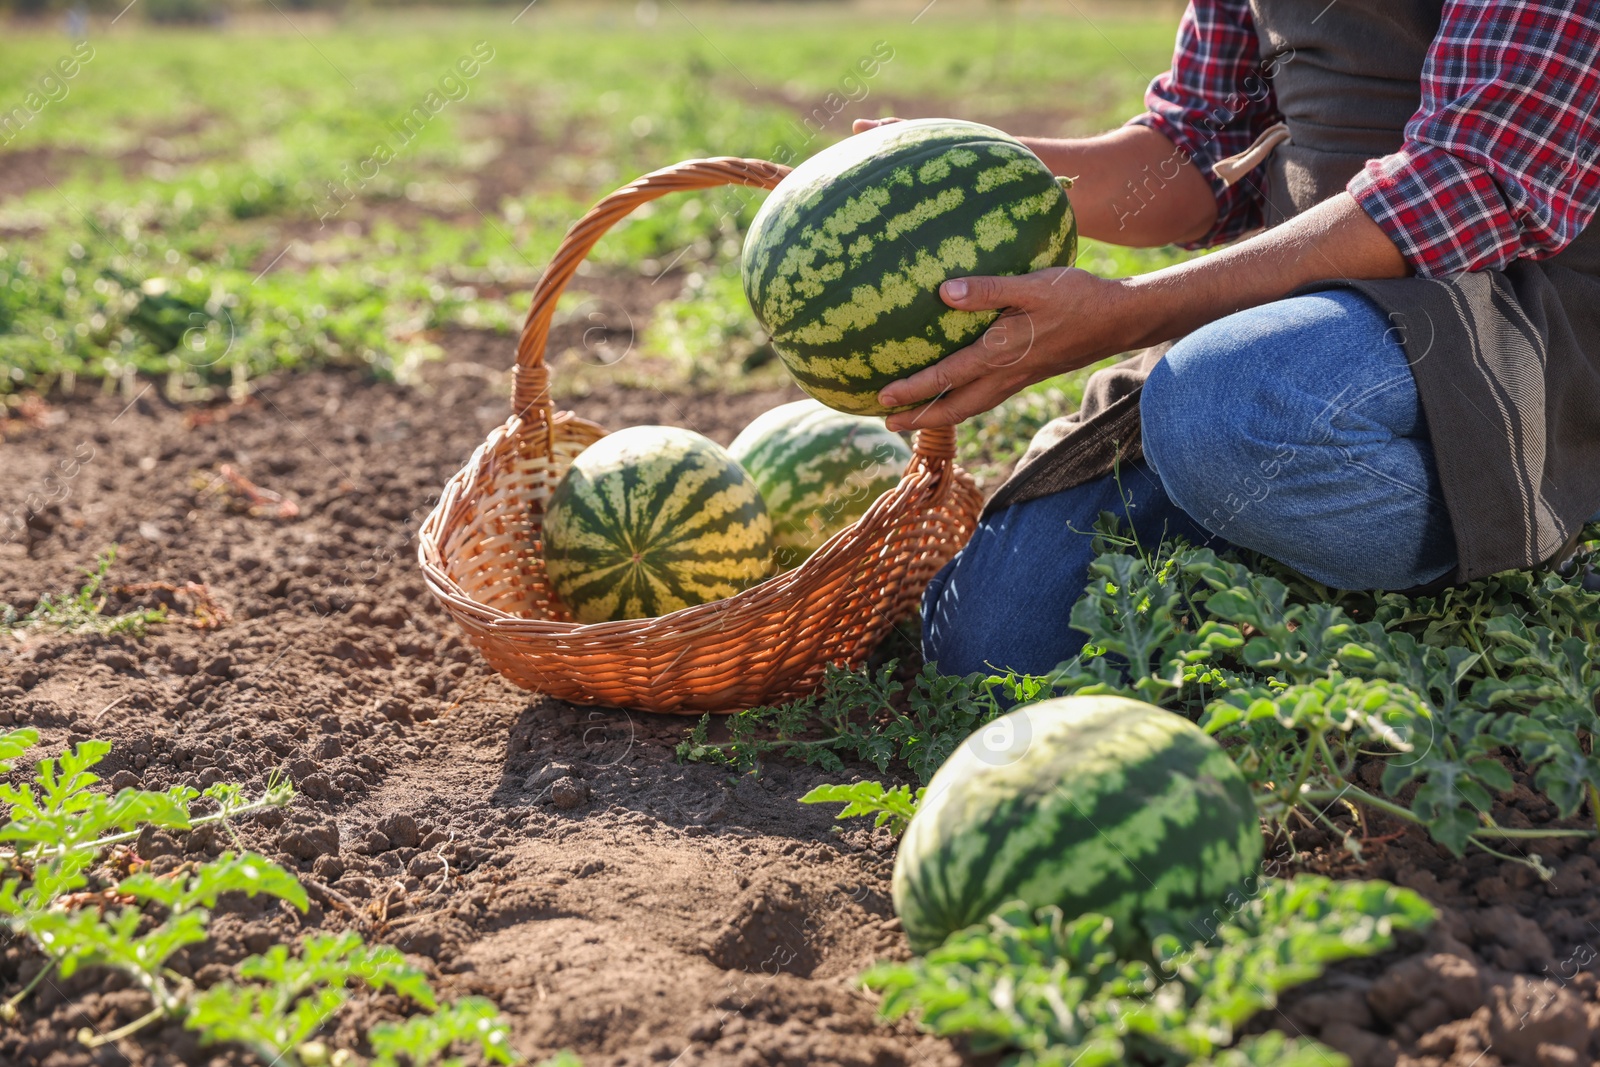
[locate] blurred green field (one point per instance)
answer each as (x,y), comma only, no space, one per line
(199,207)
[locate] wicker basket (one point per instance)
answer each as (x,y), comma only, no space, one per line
(481,554)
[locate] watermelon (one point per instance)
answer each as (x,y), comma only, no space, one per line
(652,519)
(842,264)
(818,471)
(1091,803)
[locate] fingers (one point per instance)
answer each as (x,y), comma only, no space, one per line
(863,125)
(995,357)
(954,407)
(1003,344)
(951,372)
(987,294)
(1030,340)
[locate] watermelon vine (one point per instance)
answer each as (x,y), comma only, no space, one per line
(1300,682)
(1335,706)
(1058,992)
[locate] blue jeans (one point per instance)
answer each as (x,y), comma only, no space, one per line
(1292,429)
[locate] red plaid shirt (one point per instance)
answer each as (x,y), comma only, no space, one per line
(1501,161)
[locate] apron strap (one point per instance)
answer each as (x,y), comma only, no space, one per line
(1233,168)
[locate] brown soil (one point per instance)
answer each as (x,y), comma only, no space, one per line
(555,858)
(29,168)
(1507,976)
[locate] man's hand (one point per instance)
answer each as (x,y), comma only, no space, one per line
(863,125)
(1054,321)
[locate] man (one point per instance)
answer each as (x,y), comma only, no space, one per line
(1394,382)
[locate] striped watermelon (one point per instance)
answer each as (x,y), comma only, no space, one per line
(842,264)
(652,519)
(1091,803)
(818,470)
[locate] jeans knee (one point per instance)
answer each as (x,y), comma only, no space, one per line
(1005,601)
(951,634)
(1190,439)
(959,623)
(1161,423)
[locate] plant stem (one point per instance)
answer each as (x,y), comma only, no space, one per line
(1331,825)
(274,799)
(1303,773)
(1325,796)
(1361,796)
(1531,862)
(1328,757)
(94,1040)
(8,1010)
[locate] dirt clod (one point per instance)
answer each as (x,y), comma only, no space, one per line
(1536,1022)
(309,842)
(400,830)
(568,793)
(1516,942)
(328,868)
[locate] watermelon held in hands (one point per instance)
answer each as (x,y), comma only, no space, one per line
(818,471)
(842,264)
(1092,803)
(652,519)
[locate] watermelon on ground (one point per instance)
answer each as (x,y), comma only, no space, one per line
(1092,803)
(652,519)
(843,263)
(818,470)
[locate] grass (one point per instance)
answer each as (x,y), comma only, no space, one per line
(213,207)
(82,611)
(219,206)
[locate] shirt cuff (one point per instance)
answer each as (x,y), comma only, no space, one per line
(1239,209)
(1445,214)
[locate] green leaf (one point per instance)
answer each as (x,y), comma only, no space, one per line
(14,744)
(893,808)
(422,1039)
(260,1017)
(1054,991)
(1275,1049)
(1492,773)
(335,959)
(1451,827)
(248,873)
(86,937)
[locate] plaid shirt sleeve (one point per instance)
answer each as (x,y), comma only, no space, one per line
(1500,161)
(1213,103)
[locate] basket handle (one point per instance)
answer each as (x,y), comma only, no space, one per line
(530,394)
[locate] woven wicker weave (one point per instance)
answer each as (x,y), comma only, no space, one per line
(480,547)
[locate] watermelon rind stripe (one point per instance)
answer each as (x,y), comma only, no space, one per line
(818,471)
(909,264)
(650,520)
(1114,806)
(843,263)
